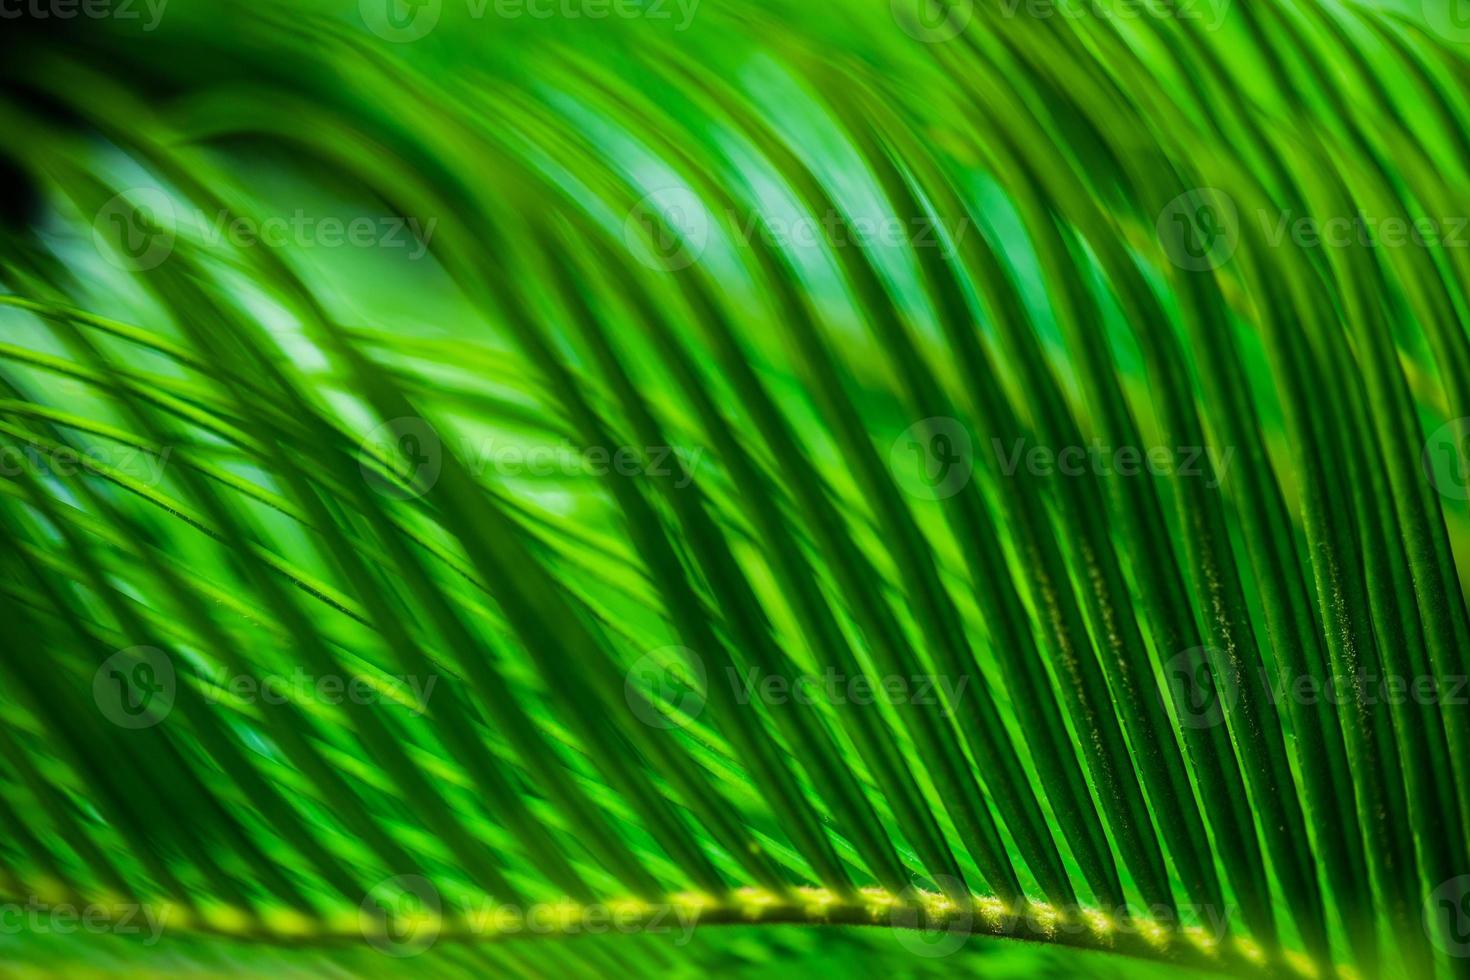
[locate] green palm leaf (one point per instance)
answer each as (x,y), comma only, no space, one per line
(481,475)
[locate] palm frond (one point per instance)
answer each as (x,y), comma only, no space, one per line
(951,466)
